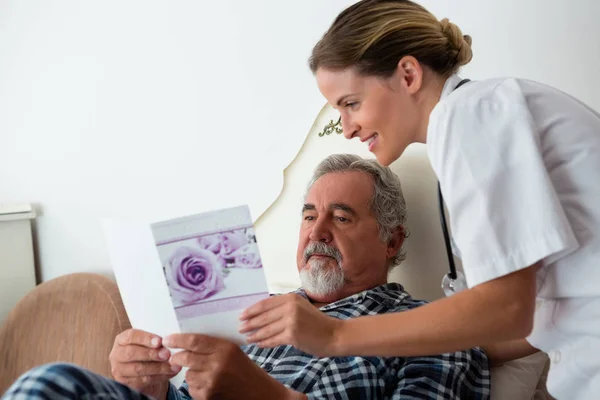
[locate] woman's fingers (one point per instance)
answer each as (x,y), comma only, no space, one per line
(268,332)
(264,306)
(262,320)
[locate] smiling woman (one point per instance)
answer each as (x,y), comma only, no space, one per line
(389,68)
(355,64)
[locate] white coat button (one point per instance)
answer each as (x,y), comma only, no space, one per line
(538,304)
(555,356)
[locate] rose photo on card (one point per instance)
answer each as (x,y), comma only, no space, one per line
(197,269)
(210,265)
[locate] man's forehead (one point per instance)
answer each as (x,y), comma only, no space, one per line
(352,187)
(356,204)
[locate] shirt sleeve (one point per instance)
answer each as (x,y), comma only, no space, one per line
(459,375)
(504,211)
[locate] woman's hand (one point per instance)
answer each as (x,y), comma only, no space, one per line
(291,320)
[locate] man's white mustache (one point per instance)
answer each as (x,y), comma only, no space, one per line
(322,249)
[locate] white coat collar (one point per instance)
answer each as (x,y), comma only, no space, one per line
(450,85)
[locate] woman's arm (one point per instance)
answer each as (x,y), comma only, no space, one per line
(502,352)
(495,311)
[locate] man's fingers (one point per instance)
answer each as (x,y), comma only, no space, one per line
(142,382)
(134,353)
(195,342)
(188,359)
(265,305)
(269,317)
(138,337)
(151,369)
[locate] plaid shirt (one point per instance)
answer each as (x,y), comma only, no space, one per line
(459,375)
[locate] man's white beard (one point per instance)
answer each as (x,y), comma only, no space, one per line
(320,278)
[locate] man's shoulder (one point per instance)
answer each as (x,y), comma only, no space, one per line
(394,297)
(391,296)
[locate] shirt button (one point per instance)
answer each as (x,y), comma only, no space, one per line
(555,356)
(268,367)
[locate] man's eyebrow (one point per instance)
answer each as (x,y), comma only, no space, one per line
(308,207)
(342,207)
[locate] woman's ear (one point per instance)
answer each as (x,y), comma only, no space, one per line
(396,241)
(410,72)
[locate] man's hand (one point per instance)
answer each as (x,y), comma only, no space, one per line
(139,361)
(220,369)
(291,319)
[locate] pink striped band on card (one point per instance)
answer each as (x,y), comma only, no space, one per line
(220,305)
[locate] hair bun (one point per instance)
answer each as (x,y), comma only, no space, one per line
(461,44)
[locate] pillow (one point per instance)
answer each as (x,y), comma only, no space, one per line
(518,379)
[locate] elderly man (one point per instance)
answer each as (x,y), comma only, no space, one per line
(351,235)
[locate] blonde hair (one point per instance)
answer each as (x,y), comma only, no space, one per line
(373,35)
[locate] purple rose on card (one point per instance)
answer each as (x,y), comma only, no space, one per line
(247,257)
(211,242)
(231,241)
(193,274)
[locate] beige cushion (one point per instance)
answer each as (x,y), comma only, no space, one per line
(519,379)
(73,318)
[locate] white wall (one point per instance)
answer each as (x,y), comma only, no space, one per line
(163,108)
(149,108)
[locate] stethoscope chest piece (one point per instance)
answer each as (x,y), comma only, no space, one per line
(452,286)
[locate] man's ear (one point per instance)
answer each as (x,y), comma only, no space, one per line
(396,241)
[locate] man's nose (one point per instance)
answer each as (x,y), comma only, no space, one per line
(320,232)
(349,128)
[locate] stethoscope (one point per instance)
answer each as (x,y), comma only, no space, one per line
(454,281)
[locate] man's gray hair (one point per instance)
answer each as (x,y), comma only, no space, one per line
(387,204)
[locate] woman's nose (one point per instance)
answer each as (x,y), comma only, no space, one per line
(349,128)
